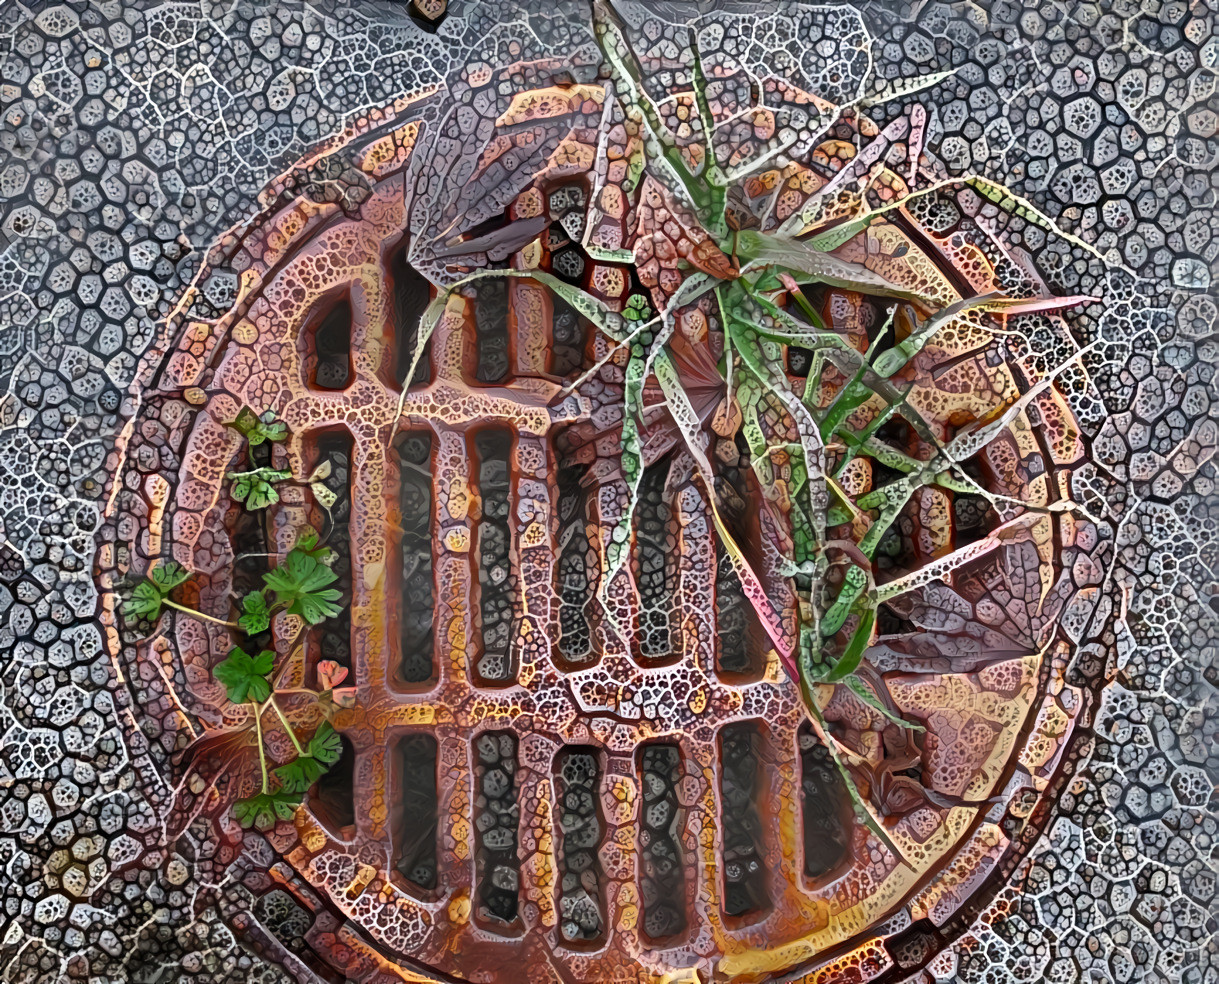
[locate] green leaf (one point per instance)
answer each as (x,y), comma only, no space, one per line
(812,265)
(245,421)
(262,810)
(323,751)
(301,773)
(326,746)
(268,429)
(837,515)
(257,488)
(324,494)
(145,601)
(307,542)
(307,539)
(831,239)
(256,617)
(258,429)
(300,583)
(245,676)
(637,308)
(853,584)
(849,661)
(168,576)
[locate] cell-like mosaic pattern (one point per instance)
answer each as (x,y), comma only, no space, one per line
(608,491)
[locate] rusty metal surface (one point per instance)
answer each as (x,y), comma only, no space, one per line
(994,733)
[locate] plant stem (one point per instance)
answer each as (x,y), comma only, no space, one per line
(287,727)
(806,308)
(201,615)
(253,553)
(262,754)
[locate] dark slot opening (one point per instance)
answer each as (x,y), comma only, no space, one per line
(567,212)
(416,601)
(740,647)
(799,360)
(411,296)
(491,329)
(248,538)
(891,622)
(825,807)
(576,567)
(568,337)
(309,957)
(496,580)
(653,563)
(741,820)
(897,433)
(496,822)
(741,642)
(486,227)
(332,798)
(568,264)
(334,634)
(578,773)
(973,517)
(823,299)
(663,870)
(251,540)
(875,317)
(417,810)
(915,946)
(332,347)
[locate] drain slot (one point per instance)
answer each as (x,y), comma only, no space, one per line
(496,583)
(333,798)
(332,347)
(496,823)
(569,335)
(575,567)
(412,292)
(581,914)
(662,882)
(333,637)
(491,330)
(418,810)
(741,642)
(738,649)
(653,563)
(741,822)
(416,602)
(825,808)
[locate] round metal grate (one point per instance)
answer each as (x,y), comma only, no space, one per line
(614,792)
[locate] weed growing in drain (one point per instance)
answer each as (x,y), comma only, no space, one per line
(300,585)
(833,572)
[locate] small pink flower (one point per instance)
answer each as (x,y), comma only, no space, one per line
(330,674)
(344,697)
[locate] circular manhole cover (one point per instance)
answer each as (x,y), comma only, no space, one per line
(577,549)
